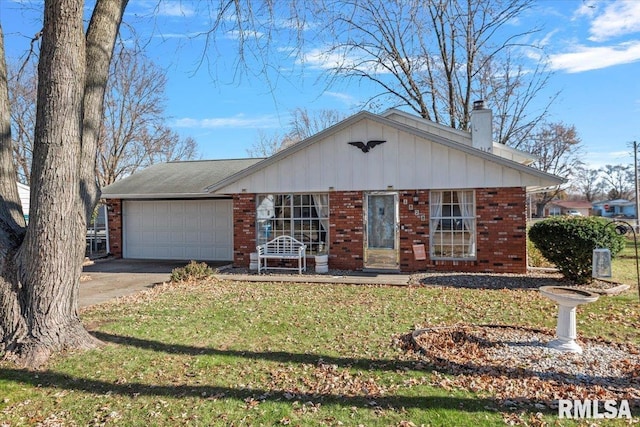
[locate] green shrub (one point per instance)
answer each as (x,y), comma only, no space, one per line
(568,242)
(191,271)
(535,257)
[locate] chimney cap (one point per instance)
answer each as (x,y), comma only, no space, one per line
(478,105)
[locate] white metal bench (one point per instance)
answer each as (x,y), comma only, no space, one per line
(283,248)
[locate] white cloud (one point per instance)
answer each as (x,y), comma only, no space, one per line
(587,9)
(618,18)
(237,121)
(599,159)
(323,59)
(175,8)
(246,34)
(342,97)
(319,59)
(592,58)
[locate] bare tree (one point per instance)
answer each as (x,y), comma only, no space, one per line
(23,86)
(618,181)
(305,123)
(557,148)
(40,265)
(267,144)
(134,135)
(437,56)
(587,183)
(302,125)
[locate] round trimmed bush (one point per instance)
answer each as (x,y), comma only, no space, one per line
(190,272)
(568,242)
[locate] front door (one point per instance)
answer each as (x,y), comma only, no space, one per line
(381,246)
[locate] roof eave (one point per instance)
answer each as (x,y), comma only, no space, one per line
(126,196)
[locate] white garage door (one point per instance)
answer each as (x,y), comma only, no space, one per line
(178,229)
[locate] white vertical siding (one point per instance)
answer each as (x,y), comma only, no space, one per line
(405,161)
(24,192)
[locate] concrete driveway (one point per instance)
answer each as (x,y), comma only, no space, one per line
(105,280)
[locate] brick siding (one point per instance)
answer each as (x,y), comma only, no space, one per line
(500,231)
(114,221)
(244,228)
(346,230)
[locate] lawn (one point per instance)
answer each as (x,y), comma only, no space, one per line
(235,353)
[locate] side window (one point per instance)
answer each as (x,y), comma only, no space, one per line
(304,217)
(452,224)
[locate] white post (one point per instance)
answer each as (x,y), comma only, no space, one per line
(566,330)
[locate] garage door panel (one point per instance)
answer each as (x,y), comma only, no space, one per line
(222,238)
(178,229)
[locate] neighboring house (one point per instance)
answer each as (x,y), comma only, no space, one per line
(568,207)
(25,193)
(619,208)
(97,236)
(458,195)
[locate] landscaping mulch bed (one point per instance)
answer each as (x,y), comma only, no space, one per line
(514,365)
(532,280)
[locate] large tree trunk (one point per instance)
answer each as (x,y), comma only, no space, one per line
(40,270)
(53,248)
(101,37)
(12,225)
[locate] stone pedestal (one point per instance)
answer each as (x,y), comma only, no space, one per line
(568,299)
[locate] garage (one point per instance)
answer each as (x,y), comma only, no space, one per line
(197,229)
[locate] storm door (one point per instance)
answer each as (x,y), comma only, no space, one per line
(381,246)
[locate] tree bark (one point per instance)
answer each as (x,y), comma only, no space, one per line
(50,259)
(40,269)
(12,224)
(101,37)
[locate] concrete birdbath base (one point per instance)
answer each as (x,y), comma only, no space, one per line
(568,299)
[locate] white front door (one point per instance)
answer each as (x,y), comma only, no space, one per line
(381,247)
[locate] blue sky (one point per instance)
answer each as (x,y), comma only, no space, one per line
(593,49)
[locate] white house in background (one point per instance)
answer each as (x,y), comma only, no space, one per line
(24,191)
(568,207)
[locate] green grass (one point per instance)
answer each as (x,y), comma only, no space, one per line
(224,353)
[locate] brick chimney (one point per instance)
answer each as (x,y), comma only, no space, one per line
(481,127)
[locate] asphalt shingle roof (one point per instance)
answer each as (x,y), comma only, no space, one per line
(184,178)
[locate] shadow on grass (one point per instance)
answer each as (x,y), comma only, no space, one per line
(97,387)
(391,365)
(273,356)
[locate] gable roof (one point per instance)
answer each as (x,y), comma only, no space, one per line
(615,202)
(261,176)
(175,179)
(571,204)
(457,135)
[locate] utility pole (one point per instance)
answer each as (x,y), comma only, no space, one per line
(635,167)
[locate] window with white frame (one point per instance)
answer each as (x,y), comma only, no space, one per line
(304,217)
(452,224)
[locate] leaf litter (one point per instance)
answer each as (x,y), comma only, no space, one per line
(515,366)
